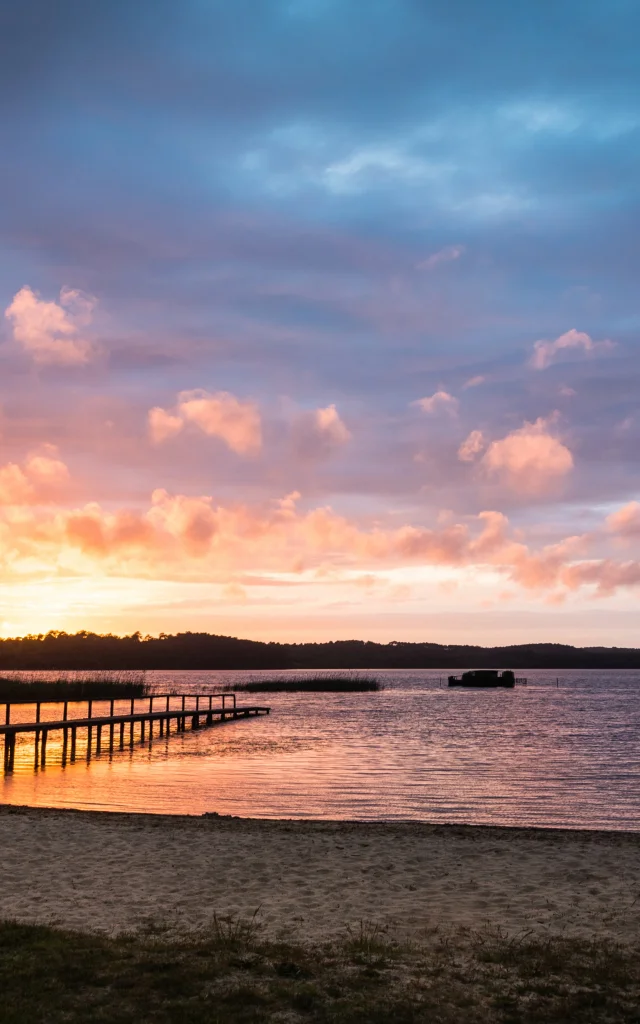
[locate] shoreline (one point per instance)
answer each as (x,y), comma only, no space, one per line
(401,823)
(112,871)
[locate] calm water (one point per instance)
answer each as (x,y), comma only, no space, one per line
(536,755)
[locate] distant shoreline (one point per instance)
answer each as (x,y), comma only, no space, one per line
(209,652)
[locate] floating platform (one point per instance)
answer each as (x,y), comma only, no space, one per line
(203,713)
(486,678)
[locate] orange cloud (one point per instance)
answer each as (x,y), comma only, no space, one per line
(40,480)
(546,352)
(529,460)
(219,415)
(50,331)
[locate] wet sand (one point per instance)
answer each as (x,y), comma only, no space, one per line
(111,872)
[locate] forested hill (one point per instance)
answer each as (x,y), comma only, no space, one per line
(208,651)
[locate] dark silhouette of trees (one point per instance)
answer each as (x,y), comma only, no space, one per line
(84,650)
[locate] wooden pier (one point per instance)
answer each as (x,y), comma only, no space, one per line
(196,708)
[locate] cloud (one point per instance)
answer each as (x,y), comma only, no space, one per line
(471,446)
(546,352)
(529,460)
(441,401)
(50,331)
(473,382)
(626,520)
(41,479)
(221,415)
(319,433)
(446,255)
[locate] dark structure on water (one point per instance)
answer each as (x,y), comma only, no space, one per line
(483,678)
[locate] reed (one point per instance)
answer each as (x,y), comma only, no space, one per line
(24,688)
(310,684)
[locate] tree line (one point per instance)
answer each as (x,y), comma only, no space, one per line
(85,650)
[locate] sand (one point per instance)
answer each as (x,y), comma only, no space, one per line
(312,880)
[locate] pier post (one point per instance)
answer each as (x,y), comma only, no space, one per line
(38,711)
(43,754)
(36,748)
(98,738)
(121,735)
(7,713)
(142,731)
(73,742)
(111,727)
(130,734)
(89,738)
(64,747)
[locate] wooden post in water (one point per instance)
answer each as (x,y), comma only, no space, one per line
(38,711)
(111,728)
(7,713)
(142,731)
(43,755)
(98,738)
(121,735)
(64,747)
(73,742)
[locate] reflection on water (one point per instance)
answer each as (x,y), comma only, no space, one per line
(536,755)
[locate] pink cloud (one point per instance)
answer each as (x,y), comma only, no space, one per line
(439,402)
(546,352)
(471,446)
(529,460)
(473,382)
(50,331)
(319,433)
(220,415)
(626,520)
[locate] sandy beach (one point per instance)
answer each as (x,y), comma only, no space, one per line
(116,872)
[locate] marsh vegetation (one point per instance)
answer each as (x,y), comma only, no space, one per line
(27,687)
(334,683)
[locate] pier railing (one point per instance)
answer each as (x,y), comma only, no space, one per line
(196,708)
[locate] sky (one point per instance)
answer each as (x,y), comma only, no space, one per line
(320,319)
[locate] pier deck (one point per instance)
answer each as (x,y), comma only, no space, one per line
(202,713)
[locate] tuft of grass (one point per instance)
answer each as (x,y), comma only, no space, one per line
(349,683)
(231,974)
(99,685)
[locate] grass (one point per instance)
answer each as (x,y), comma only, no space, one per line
(231,975)
(100,685)
(349,683)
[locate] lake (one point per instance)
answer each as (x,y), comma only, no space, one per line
(538,755)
